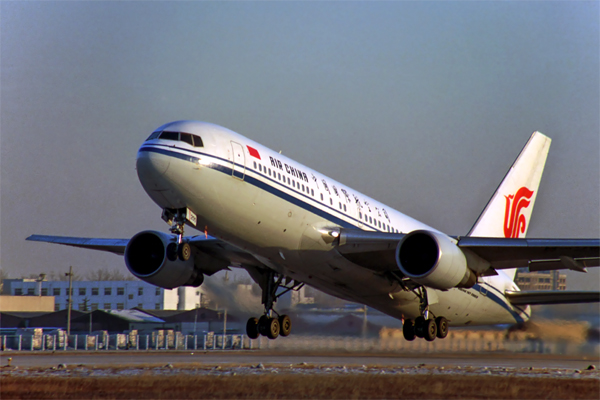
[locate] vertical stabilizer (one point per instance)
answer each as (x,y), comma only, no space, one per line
(508,212)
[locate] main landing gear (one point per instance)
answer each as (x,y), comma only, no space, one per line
(271,324)
(181,250)
(424,326)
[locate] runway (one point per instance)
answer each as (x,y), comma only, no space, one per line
(395,360)
(258,374)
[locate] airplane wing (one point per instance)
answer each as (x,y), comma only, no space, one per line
(533,298)
(377,251)
(535,254)
(116,246)
(207,246)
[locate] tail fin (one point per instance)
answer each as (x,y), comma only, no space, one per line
(508,212)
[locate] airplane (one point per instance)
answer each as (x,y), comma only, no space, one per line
(288,225)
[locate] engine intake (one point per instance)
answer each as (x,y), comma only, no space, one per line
(433,259)
(149,256)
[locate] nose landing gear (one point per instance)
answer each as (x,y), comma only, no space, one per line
(177,220)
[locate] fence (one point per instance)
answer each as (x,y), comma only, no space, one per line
(123,341)
(447,345)
(210,341)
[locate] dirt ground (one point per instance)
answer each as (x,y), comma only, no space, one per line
(287,386)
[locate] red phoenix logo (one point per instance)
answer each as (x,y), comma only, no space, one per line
(514,220)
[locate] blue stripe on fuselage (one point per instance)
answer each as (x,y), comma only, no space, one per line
(256,182)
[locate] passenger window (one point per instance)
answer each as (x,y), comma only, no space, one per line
(321,196)
(340,206)
(197,141)
(269,171)
(278,176)
(330,201)
(370,220)
(344,207)
(154,135)
(186,137)
(254,164)
(294,183)
(359,215)
(379,223)
(289,182)
(260,167)
(169,135)
(312,192)
(303,188)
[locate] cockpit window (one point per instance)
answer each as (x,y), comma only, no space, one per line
(186,137)
(193,140)
(154,135)
(169,135)
(198,141)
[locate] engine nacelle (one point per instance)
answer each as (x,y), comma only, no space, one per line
(433,259)
(149,256)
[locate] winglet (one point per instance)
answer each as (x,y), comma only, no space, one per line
(508,212)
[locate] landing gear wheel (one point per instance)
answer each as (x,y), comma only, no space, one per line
(252,328)
(285,325)
(442,327)
(420,327)
(430,330)
(184,251)
(268,327)
(408,329)
(263,325)
(172,252)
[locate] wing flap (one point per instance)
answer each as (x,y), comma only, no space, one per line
(533,298)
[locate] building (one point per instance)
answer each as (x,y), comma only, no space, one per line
(107,295)
(199,320)
(26,303)
(540,280)
(115,321)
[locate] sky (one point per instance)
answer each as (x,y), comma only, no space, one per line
(421,105)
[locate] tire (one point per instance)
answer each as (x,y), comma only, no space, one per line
(285,325)
(430,330)
(274,326)
(184,251)
(172,252)
(442,327)
(419,327)
(263,325)
(252,328)
(408,329)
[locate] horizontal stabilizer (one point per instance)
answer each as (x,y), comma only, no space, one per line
(534,298)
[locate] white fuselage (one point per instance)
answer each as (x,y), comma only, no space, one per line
(276,209)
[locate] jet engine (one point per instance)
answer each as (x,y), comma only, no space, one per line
(433,259)
(152,257)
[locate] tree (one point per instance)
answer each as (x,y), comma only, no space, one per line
(61,276)
(85,305)
(104,274)
(3,276)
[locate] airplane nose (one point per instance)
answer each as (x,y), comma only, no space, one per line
(151,168)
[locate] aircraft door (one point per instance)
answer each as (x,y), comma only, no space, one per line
(238,168)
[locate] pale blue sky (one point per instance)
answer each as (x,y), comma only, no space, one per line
(422,105)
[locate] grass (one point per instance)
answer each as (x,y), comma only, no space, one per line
(298,386)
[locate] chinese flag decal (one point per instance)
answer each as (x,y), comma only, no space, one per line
(514,221)
(253,152)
